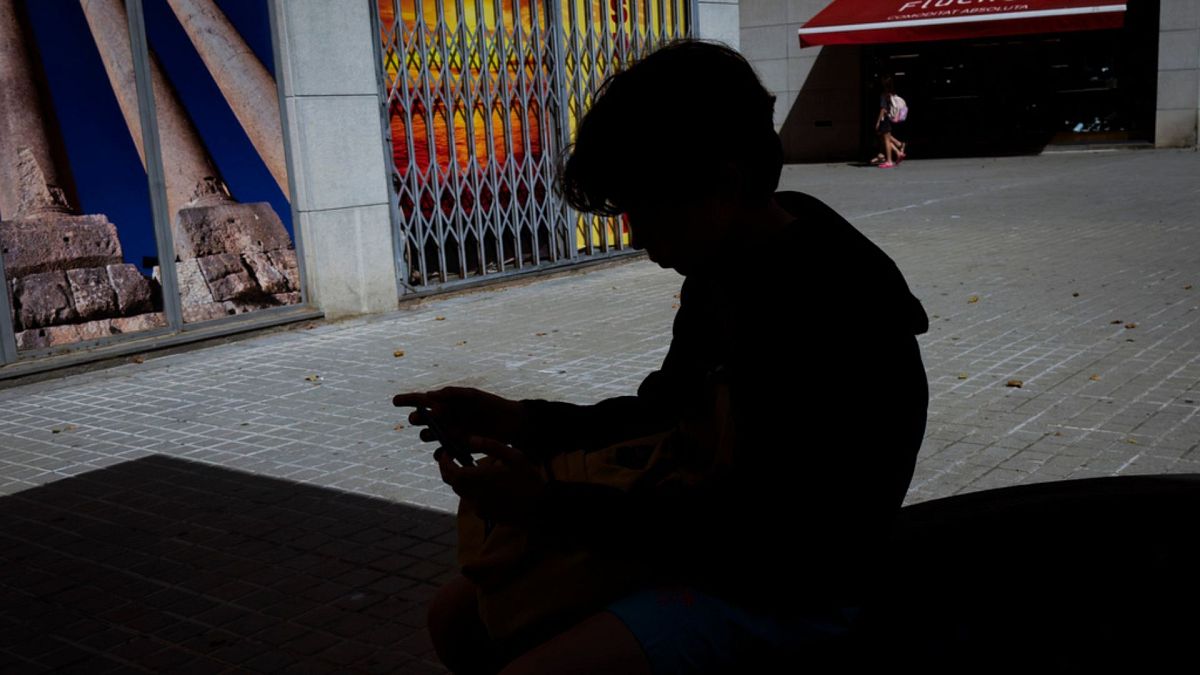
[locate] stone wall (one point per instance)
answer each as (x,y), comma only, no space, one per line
(718,20)
(817,89)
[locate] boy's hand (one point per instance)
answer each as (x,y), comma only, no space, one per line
(504,490)
(463,412)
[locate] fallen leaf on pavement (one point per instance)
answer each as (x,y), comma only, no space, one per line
(1131,325)
(313,378)
(973,299)
(398,427)
(138,359)
(1075,295)
(540,334)
(439,318)
(1094,378)
(1115,321)
(1188,287)
(1015,383)
(398,353)
(962,376)
(461,343)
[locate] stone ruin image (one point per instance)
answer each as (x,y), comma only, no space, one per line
(66,276)
(233,258)
(68,281)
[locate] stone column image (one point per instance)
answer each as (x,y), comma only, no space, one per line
(66,275)
(243,80)
(231,257)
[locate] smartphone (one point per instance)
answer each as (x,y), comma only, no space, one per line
(460,454)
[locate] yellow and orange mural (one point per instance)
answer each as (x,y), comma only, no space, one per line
(457,141)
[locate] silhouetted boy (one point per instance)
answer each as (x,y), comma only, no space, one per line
(807,325)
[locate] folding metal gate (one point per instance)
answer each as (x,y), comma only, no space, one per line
(482,96)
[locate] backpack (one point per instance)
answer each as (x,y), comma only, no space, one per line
(897,109)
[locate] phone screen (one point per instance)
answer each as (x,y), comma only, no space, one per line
(457,452)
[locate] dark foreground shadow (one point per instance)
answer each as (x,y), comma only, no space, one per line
(165,565)
(1096,575)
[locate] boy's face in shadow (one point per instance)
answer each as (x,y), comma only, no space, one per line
(681,233)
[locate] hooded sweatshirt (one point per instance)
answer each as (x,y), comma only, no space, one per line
(813,330)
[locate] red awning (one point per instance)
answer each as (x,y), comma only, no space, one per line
(877,21)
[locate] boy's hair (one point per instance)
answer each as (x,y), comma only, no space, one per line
(665,128)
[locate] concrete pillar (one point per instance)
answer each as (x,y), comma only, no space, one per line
(32,179)
(1178,109)
(243,80)
(191,177)
(718,20)
(335,130)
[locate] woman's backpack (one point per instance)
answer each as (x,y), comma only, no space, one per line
(897,108)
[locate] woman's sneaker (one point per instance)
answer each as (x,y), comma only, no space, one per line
(886,165)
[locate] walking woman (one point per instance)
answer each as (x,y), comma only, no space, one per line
(891,149)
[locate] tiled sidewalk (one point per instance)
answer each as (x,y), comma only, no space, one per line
(253,503)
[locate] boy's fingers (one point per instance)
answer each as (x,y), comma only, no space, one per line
(447,467)
(493,448)
(418,399)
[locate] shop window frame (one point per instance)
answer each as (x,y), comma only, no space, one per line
(17,363)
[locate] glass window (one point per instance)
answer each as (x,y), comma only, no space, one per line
(219,127)
(76,228)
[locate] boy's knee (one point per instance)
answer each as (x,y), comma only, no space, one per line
(453,605)
(458,634)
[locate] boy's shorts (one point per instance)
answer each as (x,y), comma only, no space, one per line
(683,630)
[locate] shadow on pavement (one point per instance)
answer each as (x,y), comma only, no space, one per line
(165,565)
(161,564)
(1093,575)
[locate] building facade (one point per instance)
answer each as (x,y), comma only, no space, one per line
(1139,83)
(172,170)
